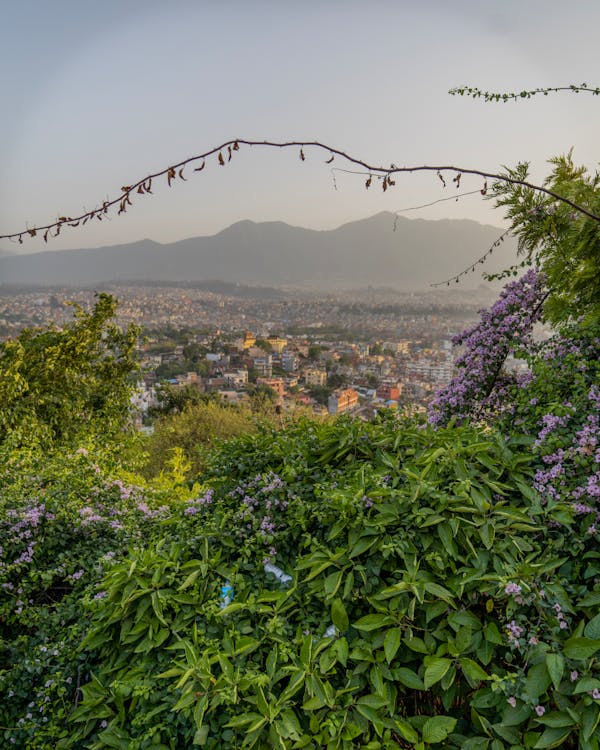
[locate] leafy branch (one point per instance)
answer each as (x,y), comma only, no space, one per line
(493,96)
(224,154)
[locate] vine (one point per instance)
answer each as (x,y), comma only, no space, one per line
(492,96)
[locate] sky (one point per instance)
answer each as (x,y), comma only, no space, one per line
(96,95)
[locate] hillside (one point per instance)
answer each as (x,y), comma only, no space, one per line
(365,252)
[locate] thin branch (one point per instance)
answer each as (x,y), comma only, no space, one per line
(479,261)
(492,96)
(175,171)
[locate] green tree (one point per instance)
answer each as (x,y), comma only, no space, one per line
(58,384)
(564,243)
(199,426)
(174,399)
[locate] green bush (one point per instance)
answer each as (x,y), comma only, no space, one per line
(193,430)
(433,600)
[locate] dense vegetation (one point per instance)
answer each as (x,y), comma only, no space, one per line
(419,582)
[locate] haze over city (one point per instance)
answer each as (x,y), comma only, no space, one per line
(96,96)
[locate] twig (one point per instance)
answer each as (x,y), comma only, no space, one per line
(175,171)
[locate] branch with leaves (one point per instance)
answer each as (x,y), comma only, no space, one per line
(494,96)
(224,154)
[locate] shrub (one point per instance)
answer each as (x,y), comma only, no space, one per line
(432,600)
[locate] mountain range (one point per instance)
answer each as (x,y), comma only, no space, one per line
(383,250)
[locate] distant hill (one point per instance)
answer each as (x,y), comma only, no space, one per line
(361,253)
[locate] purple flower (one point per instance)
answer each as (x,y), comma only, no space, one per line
(540,710)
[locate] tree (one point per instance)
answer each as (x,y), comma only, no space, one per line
(195,429)
(564,244)
(58,385)
(174,399)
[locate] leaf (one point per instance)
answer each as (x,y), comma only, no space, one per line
(290,725)
(406,731)
(537,682)
(221,160)
(556,666)
(435,670)
(554,737)
(333,582)
(581,648)
(373,622)
(408,678)
(339,615)
(371,715)
(437,728)
(472,671)
(592,629)
(438,591)
(201,735)
(391,643)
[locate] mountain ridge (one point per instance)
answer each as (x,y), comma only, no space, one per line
(379,250)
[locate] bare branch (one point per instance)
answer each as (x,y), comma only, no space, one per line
(469,269)
(142,186)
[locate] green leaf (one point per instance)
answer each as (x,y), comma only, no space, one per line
(472,671)
(434,671)
(581,648)
(201,735)
(408,678)
(339,615)
(556,719)
(373,622)
(391,643)
(374,701)
(586,685)
(290,725)
(591,715)
(553,737)
(332,583)
(537,682)
(592,629)
(407,732)
(556,666)
(371,715)
(437,728)
(439,591)
(416,644)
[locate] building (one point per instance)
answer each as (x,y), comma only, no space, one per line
(277,344)
(314,376)
(276,384)
(236,379)
(388,392)
(263,365)
(289,361)
(342,401)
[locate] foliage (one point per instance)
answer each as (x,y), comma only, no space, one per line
(503,96)
(433,601)
(196,428)
(57,385)
(564,243)
(65,518)
(503,329)
(174,399)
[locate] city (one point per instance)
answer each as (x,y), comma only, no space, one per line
(330,353)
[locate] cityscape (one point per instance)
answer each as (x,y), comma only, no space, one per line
(342,352)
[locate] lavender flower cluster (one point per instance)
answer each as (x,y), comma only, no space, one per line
(504,328)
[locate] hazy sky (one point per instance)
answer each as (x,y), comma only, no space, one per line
(97,94)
